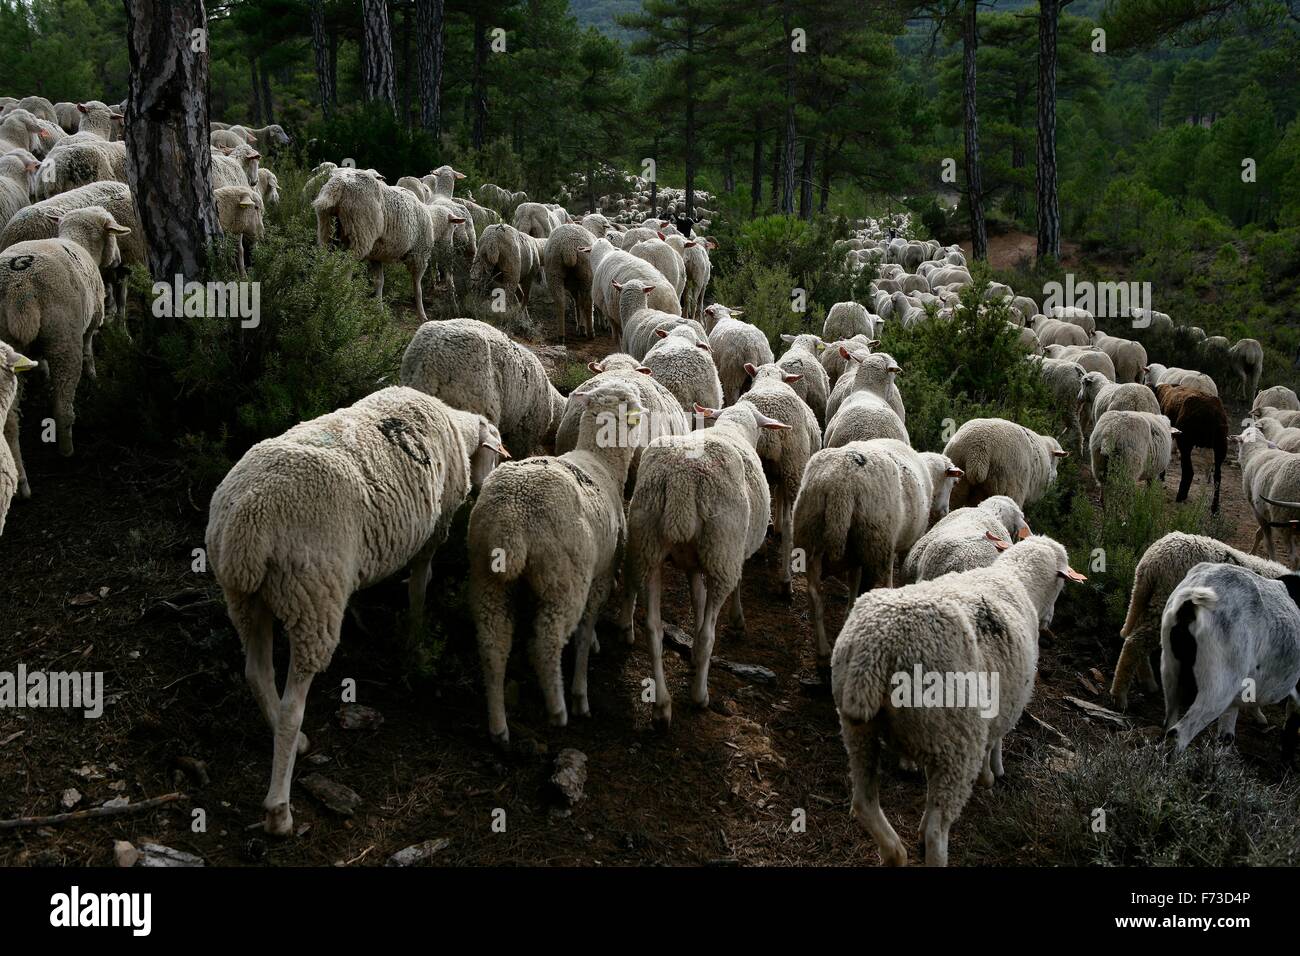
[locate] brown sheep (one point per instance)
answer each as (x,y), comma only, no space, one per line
(1202,423)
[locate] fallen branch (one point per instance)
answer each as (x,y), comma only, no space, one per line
(91,814)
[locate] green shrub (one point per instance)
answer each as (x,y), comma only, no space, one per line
(373,138)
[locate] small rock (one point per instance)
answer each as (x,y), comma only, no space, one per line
(1060,759)
(155,854)
(570,775)
(125,853)
(751,672)
(359,717)
(318,759)
(117,786)
(87,772)
(117,802)
(678,641)
(334,796)
(418,853)
(69,798)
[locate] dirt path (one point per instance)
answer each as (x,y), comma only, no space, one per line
(723,787)
(1009,250)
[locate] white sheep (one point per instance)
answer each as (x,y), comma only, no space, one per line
(534,219)
(1064,378)
(1002,458)
(335,504)
(861,506)
(552,527)
(847,319)
(381,224)
(1270,478)
(1287,417)
(1163,565)
(1098,395)
(701,499)
(1128,357)
(665,258)
(784,452)
(1277,396)
(509,260)
(268,187)
(17,179)
(1247,359)
(804,358)
(1157,374)
(973,628)
(1239,636)
(836,362)
(874,372)
(13,477)
(609,266)
(735,344)
(478,368)
(862,416)
(566,263)
(1138,443)
(1090,357)
(642,324)
(1286,437)
(965,539)
(1059,332)
(682,364)
(239,211)
(1075,316)
(51,294)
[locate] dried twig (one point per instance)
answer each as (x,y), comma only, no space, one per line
(91,814)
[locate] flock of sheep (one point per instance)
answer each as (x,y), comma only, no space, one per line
(690,438)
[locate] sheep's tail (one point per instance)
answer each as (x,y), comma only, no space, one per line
(239,546)
(1202,597)
(1137,602)
(326,205)
(20,312)
(864,687)
(822,522)
(977,463)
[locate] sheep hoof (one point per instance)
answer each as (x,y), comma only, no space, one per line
(559,719)
(501,741)
(580,706)
(662,721)
(279,821)
(985,778)
(303,744)
(24,489)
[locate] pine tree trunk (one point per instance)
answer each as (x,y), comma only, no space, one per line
(756,172)
(378,61)
(974,186)
(268,105)
(825,186)
(407,78)
(254,93)
(787,161)
(1049,213)
(334,70)
(690,118)
(775,199)
(479,93)
(729,168)
(168,157)
(429,29)
(806,180)
(324,72)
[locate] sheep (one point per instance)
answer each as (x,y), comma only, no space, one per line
(509,260)
(665,258)
(1024,307)
(873,372)
(382,224)
(39,221)
(13,477)
(596,224)
(837,363)
(699,270)
(977,625)
(681,363)
(503,201)
(95,121)
(1286,417)
(1164,564)
(20,130)
(1092,359)
(334,504)
(1098,395)
(552,528)
(441,184)
(69,165)
(642,325)
(1229,638)
(17,175)
(229,139)
(1285,437)
(862,416)
(783,452)
(804,358)
(858,508)
(701,499)
(1064,378)
(1278,396)
(239,211)
(421,191)
(1247,359)
(1027,339)
(1058,332)
(847,319)
(965,539)
(1200,421)
(1129,357)
(51,293)
(271,136)
(610,265)
(1002,458)
(268,187)
(736,344)
(534,219)
(1157,374)
(39,107)
(1075,316)
(1270,479)
(237,167)
(566,262)
(68,114)
(662,414)
(1140,443)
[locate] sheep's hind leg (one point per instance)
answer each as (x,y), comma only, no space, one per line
(417,281)
(585,639)
(813,580)
(703,649)
(662,716)
(863,746)
(494,627)
(279,817)
(948,787)
(552,628)
(11,439)
(64,379)
(377,277)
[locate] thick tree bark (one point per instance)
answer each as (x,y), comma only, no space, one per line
(974,186)
(775,199)
(479,91)
(756,172)
(378,61)
(806,179)
(787,181)
(168,158)
(407,75)
(825,186)
(334,69)
(1049,214)
(729,168)
(324,69)
(254,93)
(429,19)
(268,104)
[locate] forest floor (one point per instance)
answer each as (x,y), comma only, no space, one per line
(1015,250)
(95,574)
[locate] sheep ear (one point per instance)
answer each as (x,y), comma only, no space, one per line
(1072,575)
(458,175)
(661,235)
(645,371)
(120,230)
(953,472)
(751,369)
(845,353)
(54,217)
(997,542)
(786,337)
(584,248)
(1060,454)
(662,333)
(616,284)
(791,379)
(81,108)
(595,367)
(1024,533)
(648,289)
(117,116)
(706,412)
(457,220)
(704,345)
(736,312)
(770,423)
(689,244)
(251,138)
